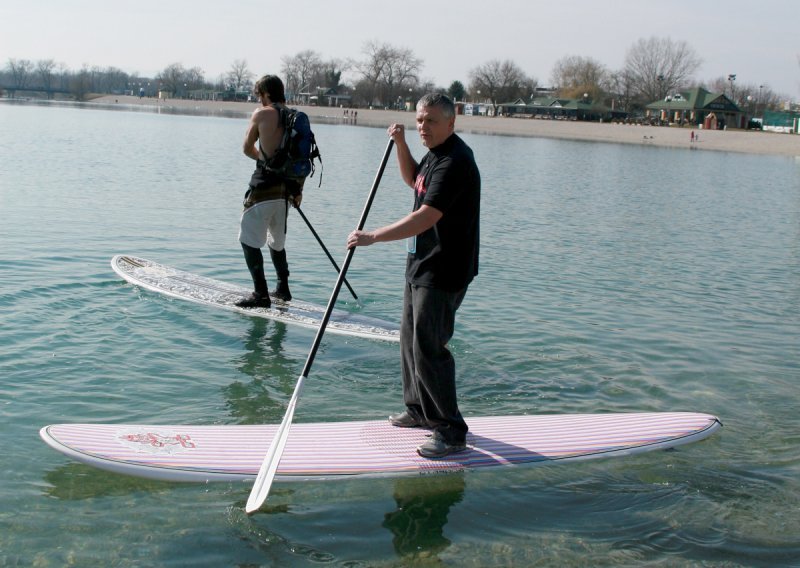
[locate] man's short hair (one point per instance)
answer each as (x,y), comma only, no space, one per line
(440,100)
(272,86)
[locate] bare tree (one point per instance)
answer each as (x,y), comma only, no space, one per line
(750,97)
(500,81)
(111,80)
(370,70)
(575,76)
(239,75)
(426,86)
(45,69)
(20,70)
(63,76)
(307,72)
(400,73)
(81,83)
(659,66)
(299,71)
(722,85)
(528,87)
(195,78)
(388,72)
(172,78)
(620,90)
(176,79)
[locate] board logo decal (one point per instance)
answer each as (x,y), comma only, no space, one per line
(156,442)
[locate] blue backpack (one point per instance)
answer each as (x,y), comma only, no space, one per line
(294,158)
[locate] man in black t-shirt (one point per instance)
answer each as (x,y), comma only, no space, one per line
(442,235)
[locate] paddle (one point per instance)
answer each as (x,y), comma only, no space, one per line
(319,240)
(260,490)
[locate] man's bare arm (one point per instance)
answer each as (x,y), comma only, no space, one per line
(251,137)
(412,224)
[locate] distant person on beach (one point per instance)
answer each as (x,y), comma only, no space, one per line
(442,236)
(267,199)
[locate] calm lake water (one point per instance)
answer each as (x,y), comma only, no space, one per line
(613,278)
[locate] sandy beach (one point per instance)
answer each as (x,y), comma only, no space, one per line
(752,142)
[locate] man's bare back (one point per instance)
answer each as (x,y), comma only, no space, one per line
(264,130)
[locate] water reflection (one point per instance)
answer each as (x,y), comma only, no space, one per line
(423,503)
(77,481)
(263,399)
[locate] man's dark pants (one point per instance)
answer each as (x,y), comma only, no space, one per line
(428,368)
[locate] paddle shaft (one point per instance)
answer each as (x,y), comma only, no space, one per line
(263,482)
(350,252)
(324,248)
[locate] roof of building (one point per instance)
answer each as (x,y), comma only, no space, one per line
(695,99)
(521,106)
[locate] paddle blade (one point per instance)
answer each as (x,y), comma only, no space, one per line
(266,474)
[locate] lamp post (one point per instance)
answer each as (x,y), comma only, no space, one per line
(660,79)
(760,87)
(731,79)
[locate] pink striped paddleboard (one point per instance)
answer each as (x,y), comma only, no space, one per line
(367,448)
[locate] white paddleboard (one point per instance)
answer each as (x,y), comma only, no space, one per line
(367,448)
(210,292)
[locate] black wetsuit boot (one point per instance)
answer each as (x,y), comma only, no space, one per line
(281,291)
(255,264)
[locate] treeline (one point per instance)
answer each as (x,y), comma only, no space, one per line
(55,80)
(389,76)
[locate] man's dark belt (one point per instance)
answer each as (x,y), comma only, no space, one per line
(264,193)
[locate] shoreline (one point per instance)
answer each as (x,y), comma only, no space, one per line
(742,141)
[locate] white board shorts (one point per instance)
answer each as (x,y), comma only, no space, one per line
(264,223)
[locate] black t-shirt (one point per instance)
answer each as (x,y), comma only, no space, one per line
(446,255)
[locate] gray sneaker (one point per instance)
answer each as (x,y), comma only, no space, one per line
(406,419)
(437,447)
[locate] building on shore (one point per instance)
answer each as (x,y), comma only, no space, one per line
(555,108)
(781,121)
(699,108)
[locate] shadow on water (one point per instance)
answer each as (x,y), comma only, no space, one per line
(415,524)
(423,504)
(263,399)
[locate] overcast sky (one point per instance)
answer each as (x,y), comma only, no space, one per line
(759,41)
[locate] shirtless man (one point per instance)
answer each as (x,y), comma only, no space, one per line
(266,201)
